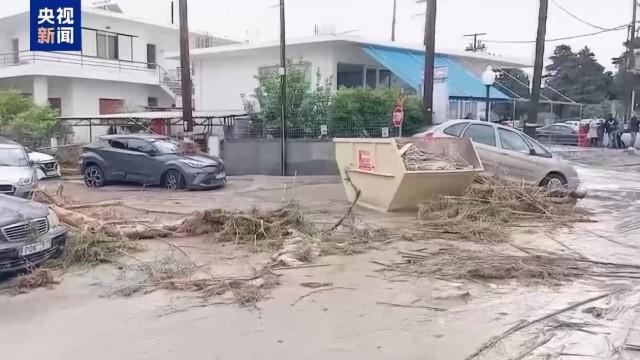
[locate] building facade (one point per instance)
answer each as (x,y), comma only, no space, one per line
(122,66)
(226,74)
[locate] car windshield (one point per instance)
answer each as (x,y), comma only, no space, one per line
(13,157)
(539,149)
(166,146)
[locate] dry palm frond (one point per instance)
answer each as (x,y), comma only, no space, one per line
(485,211)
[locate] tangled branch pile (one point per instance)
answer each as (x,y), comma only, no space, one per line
(485,211)
(416,159)
(174,274)
(86,248)
(249,227)
(38,278)
(459,263)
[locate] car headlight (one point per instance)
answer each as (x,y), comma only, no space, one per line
(53,219)
(25,181)
(195,164)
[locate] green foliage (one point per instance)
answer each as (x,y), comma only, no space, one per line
(364,112)
(578,76)
(25,122)
(349,112)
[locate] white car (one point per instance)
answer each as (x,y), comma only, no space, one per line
(508,153)
(46,166)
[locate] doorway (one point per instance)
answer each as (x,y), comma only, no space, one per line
(151,56)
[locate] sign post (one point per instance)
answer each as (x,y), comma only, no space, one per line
(55,25)
(398,119)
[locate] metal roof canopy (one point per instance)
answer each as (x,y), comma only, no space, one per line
(409,66)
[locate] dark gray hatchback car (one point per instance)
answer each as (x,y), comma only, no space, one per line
(29,234)
(148,160)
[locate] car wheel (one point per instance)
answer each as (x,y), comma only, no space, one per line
(94,176)
(173,180)
(554,182)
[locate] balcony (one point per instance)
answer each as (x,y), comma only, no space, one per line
(35,63)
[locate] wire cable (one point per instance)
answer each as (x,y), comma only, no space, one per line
(577,18)
(621,27)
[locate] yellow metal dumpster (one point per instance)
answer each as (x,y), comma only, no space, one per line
(398,174)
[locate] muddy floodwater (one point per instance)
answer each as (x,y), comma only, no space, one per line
(358,317)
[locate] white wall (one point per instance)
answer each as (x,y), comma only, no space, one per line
(221,81)
(86,95)
(11,28)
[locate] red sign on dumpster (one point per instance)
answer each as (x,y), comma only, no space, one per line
(364,160)
(398,116)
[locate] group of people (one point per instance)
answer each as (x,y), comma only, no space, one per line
(613,129)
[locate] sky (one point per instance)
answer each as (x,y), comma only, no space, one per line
(255,20)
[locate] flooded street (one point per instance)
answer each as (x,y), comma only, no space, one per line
(358,317)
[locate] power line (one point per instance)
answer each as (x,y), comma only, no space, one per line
(577,18)
(557,39)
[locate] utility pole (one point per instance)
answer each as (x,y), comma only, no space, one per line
(283,91)
(393,21)
(630,50)
(429,58)
(537,68)
(476,45)
(185,63)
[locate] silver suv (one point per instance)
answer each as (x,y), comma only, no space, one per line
(30,234)
(17,173)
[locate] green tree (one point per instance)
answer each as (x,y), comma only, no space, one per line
(307,108)
(578,76)
(364,112)
(25,122)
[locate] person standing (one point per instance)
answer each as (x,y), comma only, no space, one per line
(619,132)
(634,127)
(592,134)
(610,128)
(600,132)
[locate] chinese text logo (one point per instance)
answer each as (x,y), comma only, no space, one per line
(56,25)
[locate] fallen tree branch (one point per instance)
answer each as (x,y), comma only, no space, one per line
(411,306)
(522,324)
(122,204)
(534,347)
(320,290)
(353,204)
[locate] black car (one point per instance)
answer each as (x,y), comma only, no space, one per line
(558,134)
(30,234)
(148,160)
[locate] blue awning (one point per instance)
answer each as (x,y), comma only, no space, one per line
(408,65)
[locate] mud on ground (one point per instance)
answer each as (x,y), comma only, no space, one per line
(342,306)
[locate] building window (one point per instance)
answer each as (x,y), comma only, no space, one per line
(350,75)
(111,106)
(371,78)
(107,46)
(385,78)
(56,104)
(152,101)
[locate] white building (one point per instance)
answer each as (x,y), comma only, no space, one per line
(224,73)
(121,68)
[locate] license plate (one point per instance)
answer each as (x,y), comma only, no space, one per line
(221,176)
(34,248)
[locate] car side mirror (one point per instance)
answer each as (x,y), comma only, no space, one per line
(532,152)
(32,163)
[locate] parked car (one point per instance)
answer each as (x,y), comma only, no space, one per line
(558,134)
(30,234)
(46,166)
(149,160)
(508,153)
(17,174)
